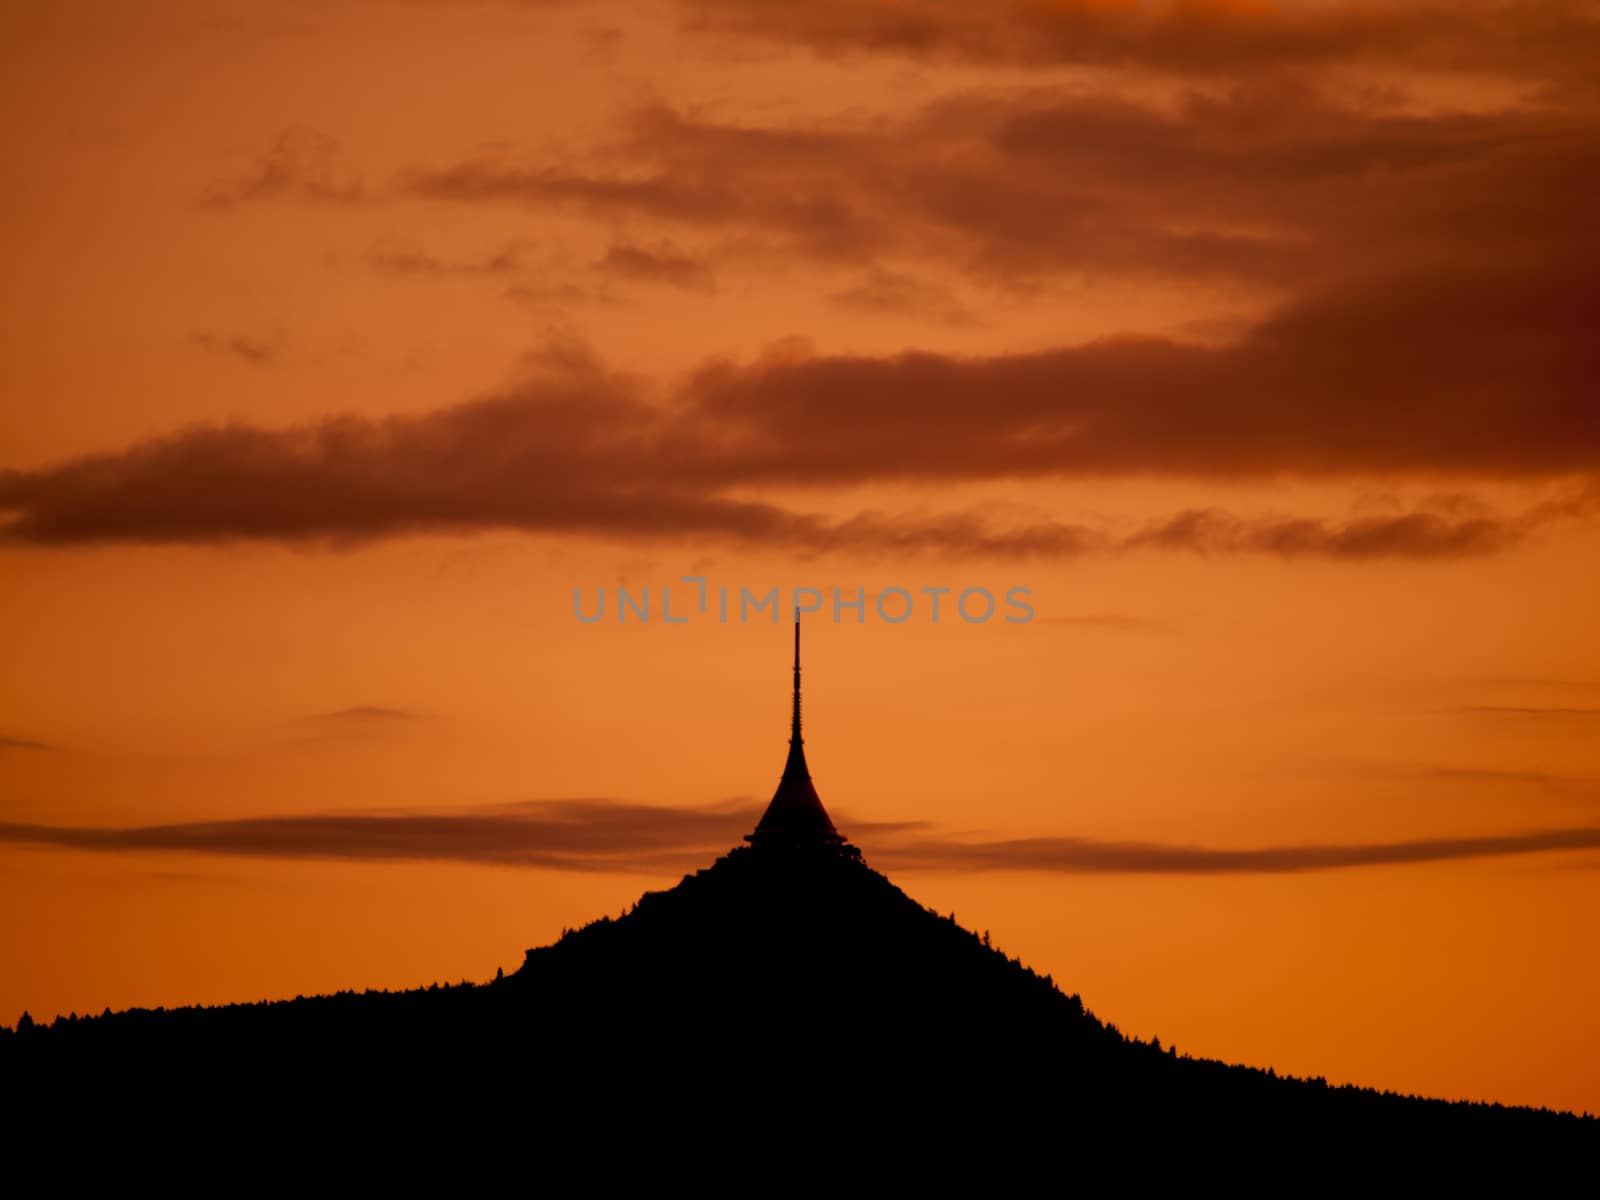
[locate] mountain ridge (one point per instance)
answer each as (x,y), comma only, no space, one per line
(769,975)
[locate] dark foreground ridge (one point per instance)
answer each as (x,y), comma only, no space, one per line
(780,977)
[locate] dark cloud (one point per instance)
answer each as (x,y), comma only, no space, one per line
(1086,856)
(1554,38)
(255,351)
(1459,372)
(577,451)
(1285,179)
(919,188)
(569,456)
(501,464)
(660,264)
(1269,180)
(525,459)
(1440,276)
(603,835)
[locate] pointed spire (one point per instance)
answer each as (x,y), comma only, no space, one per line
(794,732)
(796,816)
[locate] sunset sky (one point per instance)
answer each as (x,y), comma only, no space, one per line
(345,340)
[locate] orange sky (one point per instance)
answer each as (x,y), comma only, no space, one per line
(343,341)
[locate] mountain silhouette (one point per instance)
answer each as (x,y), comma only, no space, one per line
(776,979)
(784,990)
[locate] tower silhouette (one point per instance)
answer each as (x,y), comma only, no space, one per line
(795,818)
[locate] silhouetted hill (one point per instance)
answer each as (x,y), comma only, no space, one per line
(770,983)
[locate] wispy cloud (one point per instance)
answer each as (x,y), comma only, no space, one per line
(1528,711)
(664,263)
(1409,535)
(258,352)
(1509,788)
(8,742)
(1463,774)
(895,292)
(410,263)
(604,835)
(1111,622)
(365,714)
(302,164)
(1087,856)
(576,835)
(1534,683)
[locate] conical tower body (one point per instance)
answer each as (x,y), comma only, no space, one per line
(796,816)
